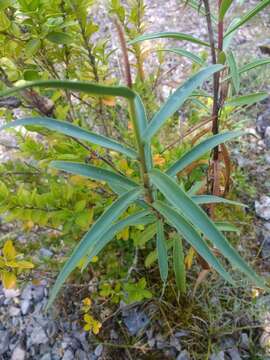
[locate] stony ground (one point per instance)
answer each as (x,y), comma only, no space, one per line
(27,332)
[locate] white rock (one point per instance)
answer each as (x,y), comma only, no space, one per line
(18,354)
(11,293)
(39,336)
(98,350)
(25,306)
(262,207)
(14,311)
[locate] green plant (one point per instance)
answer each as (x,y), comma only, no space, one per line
(156,197)
(226,83)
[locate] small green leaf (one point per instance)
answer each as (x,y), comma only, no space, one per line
(179,265)
(233,71)
(224,7)
(185,53)
(162,252)
(59,38)
(4,21)
(247,99)
(168,35)
(249,15)
(32,47)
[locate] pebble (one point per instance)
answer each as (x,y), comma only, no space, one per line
(68,355)
(45,253)
(4,341)
(46,356)
(262,207)
(244,341)
(14,311)
(25,306)
(98,350)
(18,354)
(218,356)
(234,354)
(184,355)
(38,336)
(135,320)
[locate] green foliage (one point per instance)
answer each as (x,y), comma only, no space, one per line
(126,192)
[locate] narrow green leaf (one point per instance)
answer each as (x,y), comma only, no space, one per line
(226,227)
(249,15)
(140,218)
(185,53)
(228,39)
(175,101)
(91,237)
(146,236)
(168,35)
(179,265)
(233,71)
(211,199)
(75,85)
(224,7)
(254,64)
(94,172)
(247,99)
(192,237)
(162,252)
(196,5)
(153,255)
(77,132)
(178,198)
(199,150)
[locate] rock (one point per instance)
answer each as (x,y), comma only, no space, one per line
(135,320)
(244,341)
(81,355)
(68,355)
(184,355)
(38,293)
(18,354)
(38,336)
(4,341)
(262,207)
(262,123)
(174,342)
(45,253)
(113,335)
(218,356)
(234,354)
(46,356)
(14,311)
(27,292)
(98,350)
(25,306)
(267,137)
(11,293)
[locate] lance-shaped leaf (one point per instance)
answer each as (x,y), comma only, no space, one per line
(224,7)
(77,132)
(249,15)
(212,199)
(140,218)
(199,150)
(192,237)
(253,65)
(76,86)
(247,99)
(192,212)
(233,71)
(175,101)
(179,265)
(168,35)
(92,236)
(94,172)
(162,252)
(185,53)
(226,227)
